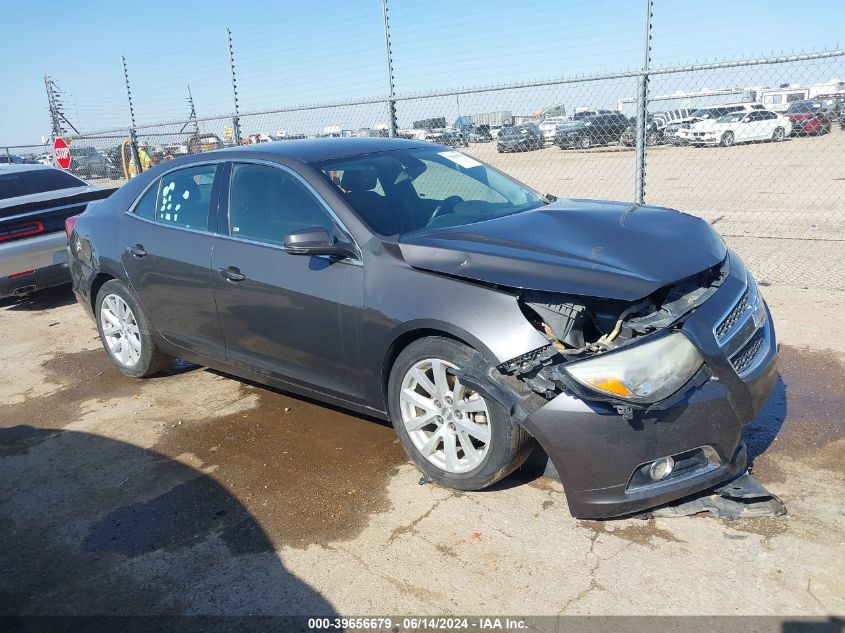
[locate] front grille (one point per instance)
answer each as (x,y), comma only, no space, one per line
(743,359)
(733,316)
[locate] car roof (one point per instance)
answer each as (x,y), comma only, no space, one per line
(317,149)
(25,167)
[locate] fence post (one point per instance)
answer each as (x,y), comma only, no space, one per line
(133,137)
(391,102)
(236,120)
(642,108)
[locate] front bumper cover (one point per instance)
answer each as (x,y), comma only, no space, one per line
(596,450)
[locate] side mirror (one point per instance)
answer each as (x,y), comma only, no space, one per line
(317,241)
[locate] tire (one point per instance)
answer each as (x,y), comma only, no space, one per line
(728,139)
(507,444)
(500,149)
(143,358)
(778,135)
(584,142)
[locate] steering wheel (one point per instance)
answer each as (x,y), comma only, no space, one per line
(446,206)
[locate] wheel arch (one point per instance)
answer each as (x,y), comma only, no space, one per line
(415,332)
(98,282)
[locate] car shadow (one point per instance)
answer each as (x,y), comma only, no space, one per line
(55,297)
(95,526)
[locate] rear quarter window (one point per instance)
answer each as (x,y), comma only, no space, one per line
(146,207)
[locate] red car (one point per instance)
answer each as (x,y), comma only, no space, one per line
(809,117)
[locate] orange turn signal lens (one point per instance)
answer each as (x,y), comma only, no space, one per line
(611,385)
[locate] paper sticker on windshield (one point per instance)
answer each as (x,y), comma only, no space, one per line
(461,159)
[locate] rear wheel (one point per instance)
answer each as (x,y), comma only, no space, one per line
(453,433)
(126,333)
(778,135)
(584,142)
(727,139)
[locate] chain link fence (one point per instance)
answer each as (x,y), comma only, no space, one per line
(754,146)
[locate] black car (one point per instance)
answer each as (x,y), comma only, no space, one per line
(410,282)
(87,162)
(480,134)
(597,129)
(518,138)
(452,138)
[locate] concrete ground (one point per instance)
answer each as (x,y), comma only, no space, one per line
(197,493)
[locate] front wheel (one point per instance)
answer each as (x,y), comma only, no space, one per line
(778,135)
(584,142)
(126,333)
(454,434)
(727,139)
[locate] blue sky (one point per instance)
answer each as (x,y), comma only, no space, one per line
(290,52)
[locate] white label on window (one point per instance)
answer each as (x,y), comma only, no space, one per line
(461,159)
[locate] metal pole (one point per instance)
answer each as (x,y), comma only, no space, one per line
(51,103)
(133,137)
(391,102)
(236,122)
(642,108)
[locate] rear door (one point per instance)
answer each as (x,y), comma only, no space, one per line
(292,316)
(166,241)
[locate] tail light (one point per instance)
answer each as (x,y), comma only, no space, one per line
(69,224)
(21,230)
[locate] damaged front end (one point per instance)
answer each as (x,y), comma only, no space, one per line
(579,328)
(641,403)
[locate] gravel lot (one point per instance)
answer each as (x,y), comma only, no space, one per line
(197,493)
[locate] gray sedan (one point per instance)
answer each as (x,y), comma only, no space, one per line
(410,282)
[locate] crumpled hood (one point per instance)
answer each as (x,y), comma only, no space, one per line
(584,247)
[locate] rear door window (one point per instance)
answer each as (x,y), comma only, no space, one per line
(184,197)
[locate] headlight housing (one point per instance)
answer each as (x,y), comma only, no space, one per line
(644,373)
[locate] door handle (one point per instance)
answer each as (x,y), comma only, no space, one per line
(137,250)
(232,274)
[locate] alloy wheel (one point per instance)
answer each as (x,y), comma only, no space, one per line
(120,330)
(448,422)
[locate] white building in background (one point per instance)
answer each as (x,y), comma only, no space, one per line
(773,98)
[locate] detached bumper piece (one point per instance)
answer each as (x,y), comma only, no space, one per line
(744,497)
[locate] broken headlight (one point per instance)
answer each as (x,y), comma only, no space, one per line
(648,372)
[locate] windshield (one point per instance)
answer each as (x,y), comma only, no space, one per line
(731,118)
(25,183)
(397,192)
(704,113)
(804,107)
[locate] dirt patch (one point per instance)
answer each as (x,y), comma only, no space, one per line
(82,376)
(308,473)
(767,527)
(645,533)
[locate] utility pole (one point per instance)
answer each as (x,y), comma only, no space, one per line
(55,120)
(133,137)
(642,110)
(236,122)
(192,117)
(391,101)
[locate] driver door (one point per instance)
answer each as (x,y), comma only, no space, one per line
(294,317)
